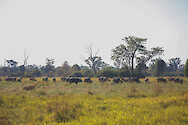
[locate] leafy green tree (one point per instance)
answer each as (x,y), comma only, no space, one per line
(159,67)
(141,69)
(134,49)
(64,70)
(174,63)
(186,69)
(11,63)
(49,66)
(76,67)
(36,72)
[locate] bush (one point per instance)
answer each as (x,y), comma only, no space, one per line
(139,75)
(108,72)
(123,73)
(87,73)
(77,74)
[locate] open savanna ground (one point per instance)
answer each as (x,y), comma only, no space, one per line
(40,102)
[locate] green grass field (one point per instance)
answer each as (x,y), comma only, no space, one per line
(97,103)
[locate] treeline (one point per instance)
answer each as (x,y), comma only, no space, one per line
(157,67)
(130,59)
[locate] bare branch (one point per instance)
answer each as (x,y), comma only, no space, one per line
(97,52)
(83,58)
(26,57)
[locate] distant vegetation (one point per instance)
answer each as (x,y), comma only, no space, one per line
(130,59)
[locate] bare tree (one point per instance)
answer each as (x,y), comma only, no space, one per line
(94,61)
(26,57)
(22,67)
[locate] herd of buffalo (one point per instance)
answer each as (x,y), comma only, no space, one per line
(101,79)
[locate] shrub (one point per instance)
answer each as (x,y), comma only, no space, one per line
(108,72)
(87,73)
(123,73)
(77,74)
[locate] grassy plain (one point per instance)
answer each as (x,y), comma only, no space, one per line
(97,103)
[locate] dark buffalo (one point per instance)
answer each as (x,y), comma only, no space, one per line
(104,79)
(33,79)
(19,80)
(134,79)
(181,81)
(54,79)
(63,78)
(146,80)
(116,80)
(87,79)
(177,80)
(45,79)
(161,80)
(68,78)
(126,79)
(171,79)
(74,80)
(13,79)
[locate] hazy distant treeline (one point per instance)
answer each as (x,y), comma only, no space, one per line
(171,68)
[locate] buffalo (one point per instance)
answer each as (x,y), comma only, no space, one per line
(177,80)
(126,79)
(63,78)
(181,81)
(74,80)
(33,79)
(161,80)
(146,80)
(134,79)
(171,79)
(19,80)
(45,79)
(13,79)
(104,79)
(117,80)
(87,79)
(54,79)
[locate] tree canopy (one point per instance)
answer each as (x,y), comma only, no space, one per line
(134,51)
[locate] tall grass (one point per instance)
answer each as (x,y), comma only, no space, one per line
(96,103)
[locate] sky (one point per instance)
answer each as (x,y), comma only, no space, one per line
(61,29)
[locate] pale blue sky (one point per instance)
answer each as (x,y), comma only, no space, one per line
(60,29)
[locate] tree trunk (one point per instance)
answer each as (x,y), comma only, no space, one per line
(94,70)
(23,73)
(132,67)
